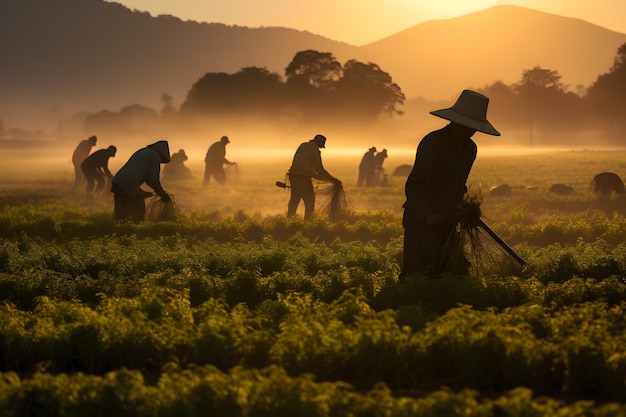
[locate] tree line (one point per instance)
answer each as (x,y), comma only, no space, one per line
(317,87)
(540,101)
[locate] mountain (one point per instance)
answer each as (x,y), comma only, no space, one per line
(437,59)
(64,56)
(69,55)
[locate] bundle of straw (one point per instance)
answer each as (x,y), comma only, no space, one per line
(468,244)
(158,210)
(486,255)
(333,201)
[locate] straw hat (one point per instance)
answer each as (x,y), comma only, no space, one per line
(469,110)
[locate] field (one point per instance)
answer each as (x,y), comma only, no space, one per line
(231,309)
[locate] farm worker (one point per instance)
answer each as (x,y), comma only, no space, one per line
(80,153)
(436,186)
(144,166)
(96,168)
(367,168)
(215,159)
(379,172)
(307,164)
(176,169)
(379,160)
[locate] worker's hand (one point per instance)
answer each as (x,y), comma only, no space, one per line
(165,197)
(434,220)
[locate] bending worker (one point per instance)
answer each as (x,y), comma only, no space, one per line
(436,187)
(306,165)
(144,166)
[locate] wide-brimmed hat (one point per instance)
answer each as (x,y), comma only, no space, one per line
(224,139)
(469,110)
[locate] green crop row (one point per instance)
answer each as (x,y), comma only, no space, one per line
(575,350)
(521,226)
(259,393)
(252,272)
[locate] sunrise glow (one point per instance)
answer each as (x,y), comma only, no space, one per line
(359,22)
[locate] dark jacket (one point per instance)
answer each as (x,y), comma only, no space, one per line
(143,166)
(98,161)
(437,182)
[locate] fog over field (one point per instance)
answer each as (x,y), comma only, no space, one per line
(251,183)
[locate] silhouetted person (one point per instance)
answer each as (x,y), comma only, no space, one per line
(80,153)
(379,172)
(144,166)
(96,168)
(367,167)
(215,160)
(436,186)
(306,165)
(176,169)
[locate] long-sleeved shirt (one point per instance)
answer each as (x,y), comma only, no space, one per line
(437,182)
(307,162)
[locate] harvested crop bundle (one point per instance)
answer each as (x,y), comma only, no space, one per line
(158,210)
(332,201)
(474,244)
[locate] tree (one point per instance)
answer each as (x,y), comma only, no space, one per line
(250,90)
(541,79)
(368,91)
(256,90)
(546,98)
(317,87)
(620,59)
(505,106)
(311,77)
(312,68)
(605,97)
(207,94)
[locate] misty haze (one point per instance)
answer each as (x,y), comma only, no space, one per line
(202,219)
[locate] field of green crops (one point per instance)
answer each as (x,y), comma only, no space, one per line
(231,309)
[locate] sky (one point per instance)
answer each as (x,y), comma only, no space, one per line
(359,22)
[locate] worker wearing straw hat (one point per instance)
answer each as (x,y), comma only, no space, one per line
(436,186)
